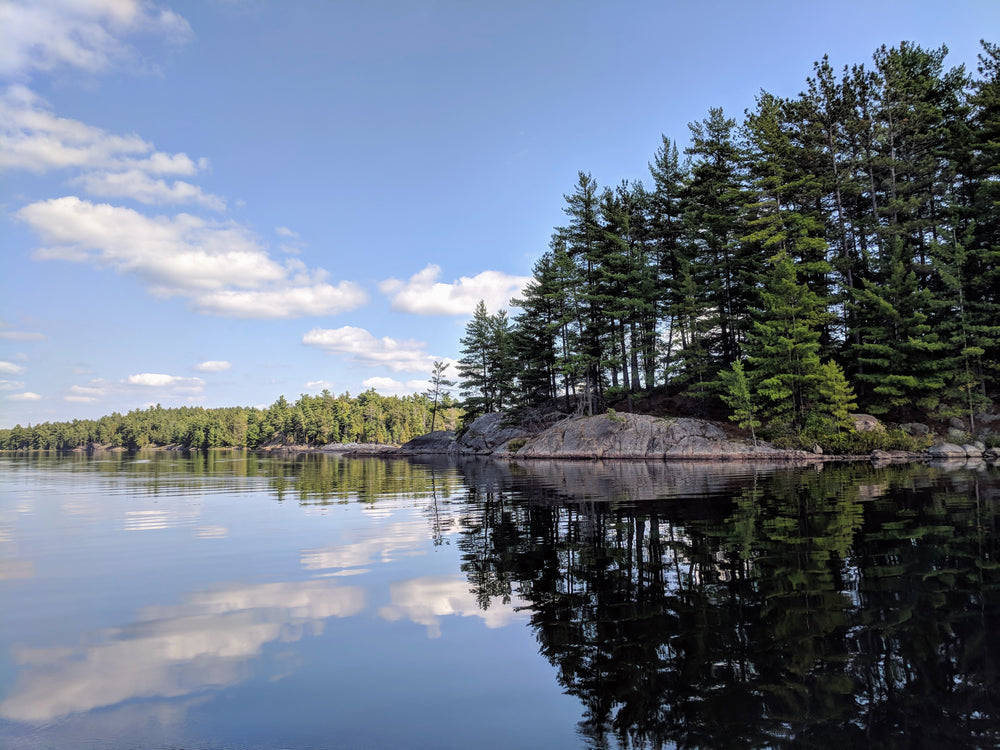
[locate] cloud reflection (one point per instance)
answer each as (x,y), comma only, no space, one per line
(173,651)
(426,600)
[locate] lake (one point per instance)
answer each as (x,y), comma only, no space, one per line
(235,600)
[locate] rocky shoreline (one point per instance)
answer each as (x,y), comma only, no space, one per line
(643,437)
(623,437)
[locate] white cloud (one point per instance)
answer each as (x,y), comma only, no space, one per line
(33,138)
(203,644)
(426,600)
(213,365)
(148,385)
(21,336)
(320,385)
(158,380)
(11,385)
(391,387)
(143,188)
(220,267)
(49,34)
(10,368)
(286,232)
(423,294)
(358,345)
(85,394)
(26,396)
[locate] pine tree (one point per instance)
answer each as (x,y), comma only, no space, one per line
(784,348)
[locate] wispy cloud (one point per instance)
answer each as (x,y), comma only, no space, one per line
(213,365)
(86,34)
(220,266)
(358,345)
(10,368)
(35,139)
(423,294)
(391,387)
(26,396)
(139,186)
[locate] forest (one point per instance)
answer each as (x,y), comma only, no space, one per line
(832,251)
(311,420)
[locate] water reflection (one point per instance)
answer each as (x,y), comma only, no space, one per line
(173,651)
(834,608)
(688,605)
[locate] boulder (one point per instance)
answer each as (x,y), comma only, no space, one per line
(946,450)
(972,451)
(491,433)
(867,423)
(916,429)
(439,441)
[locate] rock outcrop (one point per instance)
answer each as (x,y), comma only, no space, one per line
(643,436)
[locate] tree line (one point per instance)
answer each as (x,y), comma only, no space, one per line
(311,420)
(833,250)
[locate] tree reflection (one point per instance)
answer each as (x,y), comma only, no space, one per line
(842,607)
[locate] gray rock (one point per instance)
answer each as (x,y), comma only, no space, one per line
(491,434)
(972,451)
(946,450)
(867,423)
(641,436)
(916,429)
(956,423)
(439,441)
(956,435)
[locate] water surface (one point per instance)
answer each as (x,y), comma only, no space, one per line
(226,599)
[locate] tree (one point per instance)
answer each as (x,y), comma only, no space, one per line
(439,387)
(736,393)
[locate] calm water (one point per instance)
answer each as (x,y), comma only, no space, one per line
(238,601)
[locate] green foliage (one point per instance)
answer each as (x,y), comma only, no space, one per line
(311,420)
(736,394)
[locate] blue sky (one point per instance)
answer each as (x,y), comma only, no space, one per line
(219,202)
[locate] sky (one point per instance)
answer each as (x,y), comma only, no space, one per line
(221,202)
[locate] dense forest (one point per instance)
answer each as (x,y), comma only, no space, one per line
(311,420)
(836,250)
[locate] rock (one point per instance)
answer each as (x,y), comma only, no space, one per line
(439,441)
(956,424)
(915,429)
(957,436)
(867,423)
(641,436)
(946,450)
(972,451)
(490,433)
(878,456)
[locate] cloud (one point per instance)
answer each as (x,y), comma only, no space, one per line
(286,232)
(426,600)
(203,644)
(213,365)
(22,336)
(26,396)
(33,138)
(319,385)
(157,380)
(85,394)
(164,387)
(423,294)
(11,385)
(358,345)
(10,368)
(140,186)
(221,267)
(391,387)
(86,34)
